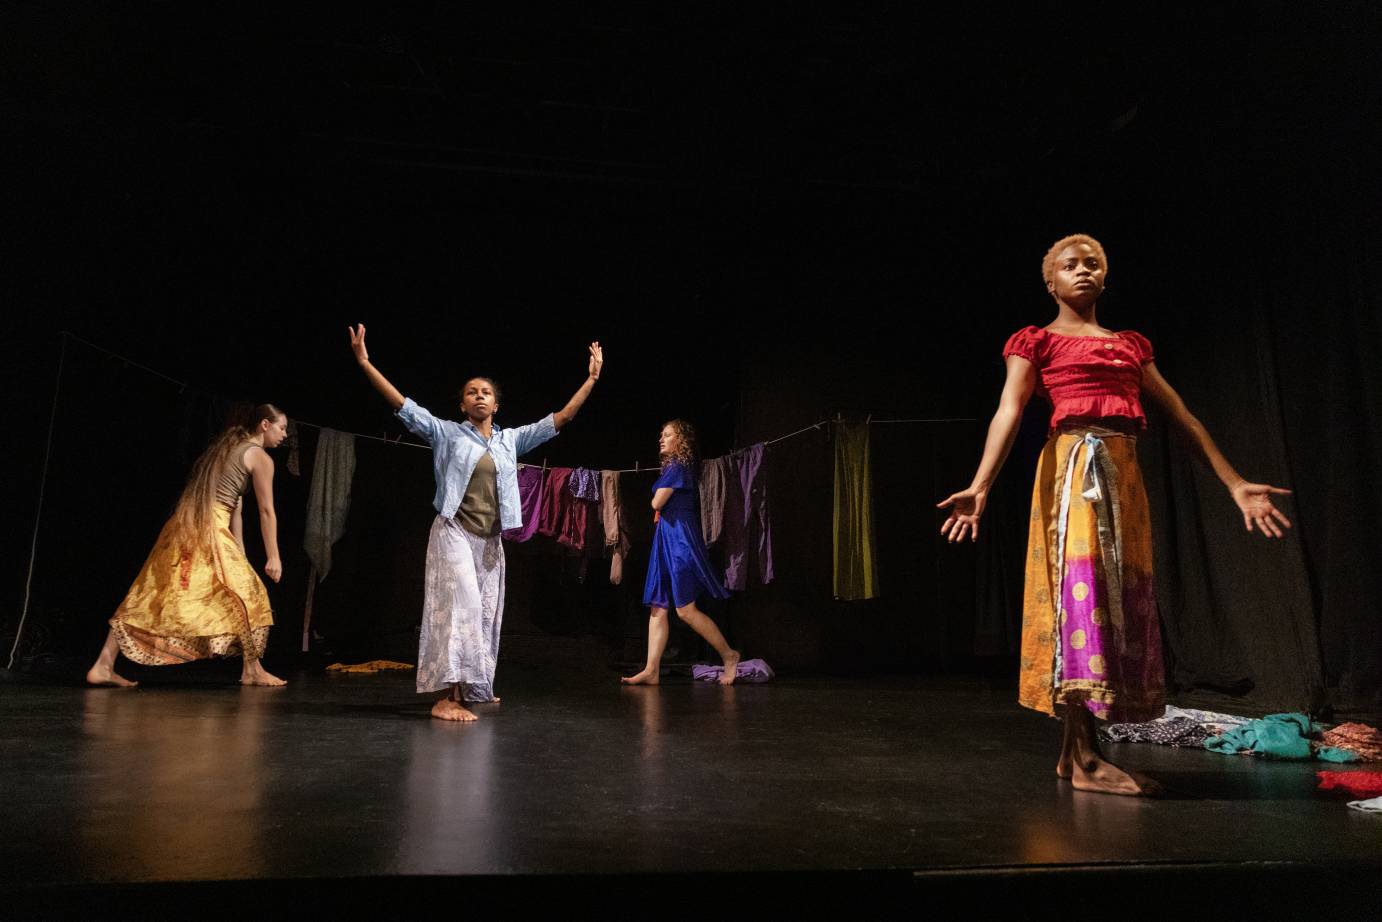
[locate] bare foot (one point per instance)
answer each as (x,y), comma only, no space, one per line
(258,675)
(646,677)
(446,709)
(1106,778)
(731,668)
(106,677)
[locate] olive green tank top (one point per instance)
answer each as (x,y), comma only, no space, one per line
(479,512)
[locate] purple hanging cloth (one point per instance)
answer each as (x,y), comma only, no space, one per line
(748,529)
(585,484)
(530,492)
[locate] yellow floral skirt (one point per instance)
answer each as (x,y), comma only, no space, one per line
(190,604)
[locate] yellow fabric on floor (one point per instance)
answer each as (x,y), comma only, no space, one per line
(374,665)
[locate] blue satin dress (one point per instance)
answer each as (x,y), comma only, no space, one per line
(678,570)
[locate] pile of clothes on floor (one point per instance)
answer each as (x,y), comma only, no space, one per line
(1277,736)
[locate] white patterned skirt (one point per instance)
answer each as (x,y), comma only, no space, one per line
(463,609)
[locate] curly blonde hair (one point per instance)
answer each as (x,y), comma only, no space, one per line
(686,452)
(1048,264)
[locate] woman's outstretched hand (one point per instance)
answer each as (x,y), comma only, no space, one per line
(597,356)
(1255,500)
(965,509)
(357,343)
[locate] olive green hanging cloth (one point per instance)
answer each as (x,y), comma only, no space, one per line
(856,559)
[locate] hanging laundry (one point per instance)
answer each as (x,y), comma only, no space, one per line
(748,527)
(329,498)
(616,539)
(749,671)
(530,498)
(573,524)
(556,499)
(1355,784)
(563,516)
(294,447)
(585,484)
(717,475)
(855,557)
(1356,738)
(574,521)
(1180,732)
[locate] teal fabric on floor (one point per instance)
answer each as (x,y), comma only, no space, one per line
(1278,736)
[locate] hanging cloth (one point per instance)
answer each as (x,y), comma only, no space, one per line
(294,446)
(856,560)
(531,491)
(616,539)
(748,531)
(716,476)
(329,500)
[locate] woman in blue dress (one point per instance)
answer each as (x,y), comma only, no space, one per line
(678,571)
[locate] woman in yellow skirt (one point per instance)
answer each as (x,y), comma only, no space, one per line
(1091,641)
(197,595)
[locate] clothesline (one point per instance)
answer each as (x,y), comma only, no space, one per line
(66,335)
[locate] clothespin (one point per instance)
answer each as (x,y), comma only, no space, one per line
(544,465)
(635,465)
(869,419)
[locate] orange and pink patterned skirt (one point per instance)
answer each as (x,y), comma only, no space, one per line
(1090,634)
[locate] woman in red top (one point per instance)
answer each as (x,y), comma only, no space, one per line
(1091,645)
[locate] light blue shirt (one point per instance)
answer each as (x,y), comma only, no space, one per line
(458,447)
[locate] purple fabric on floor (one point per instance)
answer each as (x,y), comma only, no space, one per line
(750,671)
(530,499)
(585,484)
(748,530)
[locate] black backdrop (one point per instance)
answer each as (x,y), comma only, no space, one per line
(766,224)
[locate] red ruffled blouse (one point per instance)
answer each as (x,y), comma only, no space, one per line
(1089,377)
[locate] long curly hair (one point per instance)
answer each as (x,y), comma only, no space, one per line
(1048,263)
(686,452)
(194,519)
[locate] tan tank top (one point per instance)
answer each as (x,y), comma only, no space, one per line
(234,476)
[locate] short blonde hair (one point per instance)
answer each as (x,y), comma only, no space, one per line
(1048,265)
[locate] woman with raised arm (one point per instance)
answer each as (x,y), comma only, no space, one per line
(1091,642)
(197,595)
(475,464)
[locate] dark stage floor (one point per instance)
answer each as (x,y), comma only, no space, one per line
(192,779)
